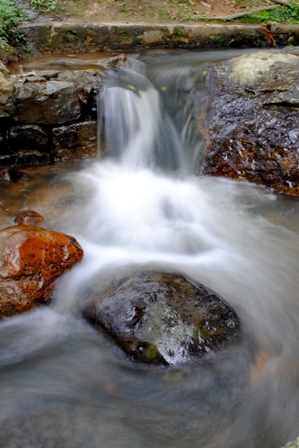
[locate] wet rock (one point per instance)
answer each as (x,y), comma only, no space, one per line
(31,260)
(7,53)
(6,88)
(28,136)
(25,157)
(29,218)
(51,102)
(163,318)
(4,69)
(293,444)
(75,142)
(252,127)
(114,63)
(11,174)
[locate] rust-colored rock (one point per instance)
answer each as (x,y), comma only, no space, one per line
(31,260)
(29,218)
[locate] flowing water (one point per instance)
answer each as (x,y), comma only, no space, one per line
(141,206)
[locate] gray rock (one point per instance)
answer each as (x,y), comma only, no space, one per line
(52,102)
(251,126)
(160,318)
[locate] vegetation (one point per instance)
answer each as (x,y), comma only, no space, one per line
(10,16)
(176,11)
(185,11)
(287,14)
(43,5)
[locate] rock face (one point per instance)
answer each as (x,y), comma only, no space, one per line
(38,107)
(252,126)
(163,318)
(31,260)
(76,141)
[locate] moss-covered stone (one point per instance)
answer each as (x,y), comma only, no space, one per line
(159,318)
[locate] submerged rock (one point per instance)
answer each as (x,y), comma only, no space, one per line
(163,318)
(31,260)
(252,125)
(11,174)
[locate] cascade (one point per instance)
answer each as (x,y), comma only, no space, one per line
(141,206)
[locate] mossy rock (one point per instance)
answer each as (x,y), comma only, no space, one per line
(161,318)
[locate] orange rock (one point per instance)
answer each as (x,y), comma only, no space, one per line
(31,260)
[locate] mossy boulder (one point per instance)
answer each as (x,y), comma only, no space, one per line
(161,318)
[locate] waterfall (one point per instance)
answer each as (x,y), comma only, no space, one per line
(141,206)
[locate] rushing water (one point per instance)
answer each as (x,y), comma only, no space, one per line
(140,206)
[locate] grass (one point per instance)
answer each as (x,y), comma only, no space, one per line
(285,14)
(185,11)
(43,5)
(176,11)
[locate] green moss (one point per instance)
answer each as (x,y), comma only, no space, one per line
(179,32)
(151,352)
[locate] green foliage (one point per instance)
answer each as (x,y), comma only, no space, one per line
(10,16)
(286,14)
(43,5)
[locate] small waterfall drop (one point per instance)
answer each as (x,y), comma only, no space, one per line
(136,129)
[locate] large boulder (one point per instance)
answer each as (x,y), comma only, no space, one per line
(161,318)
(31,260)
(252,126)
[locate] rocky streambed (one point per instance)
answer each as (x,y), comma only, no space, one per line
(247,114)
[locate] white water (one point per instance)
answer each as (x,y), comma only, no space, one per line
(140,206)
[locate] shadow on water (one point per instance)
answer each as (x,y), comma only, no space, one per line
(139,207)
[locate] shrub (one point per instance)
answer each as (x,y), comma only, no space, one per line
(10,16)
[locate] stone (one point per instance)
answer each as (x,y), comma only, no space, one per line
(161,318)
(6,88)
(25,157)
(31,261)
(114,63)
(8,53)
(4,69)
(76,141)
(11,174)
(29,218)
(293,444)
(50,103)
(28,136)
(251,127)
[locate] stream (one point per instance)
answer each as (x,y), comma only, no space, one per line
(144,205)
